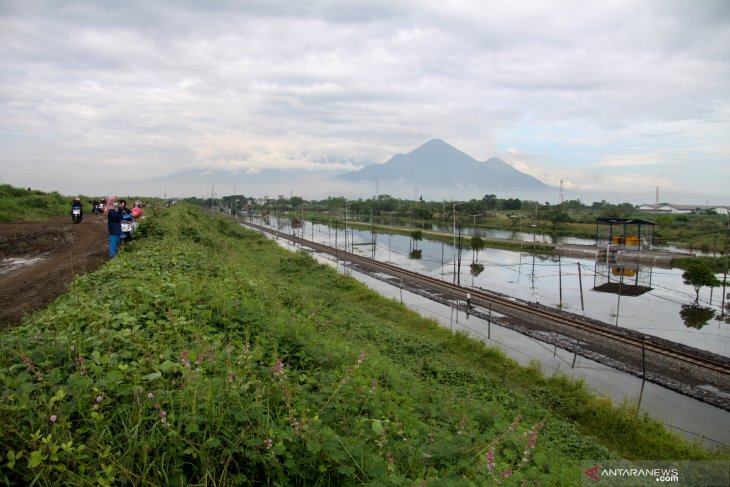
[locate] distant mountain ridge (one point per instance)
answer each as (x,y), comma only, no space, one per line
(438,166)
(435,169)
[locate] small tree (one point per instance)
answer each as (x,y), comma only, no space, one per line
(698,276)
(477,244)
(557,216)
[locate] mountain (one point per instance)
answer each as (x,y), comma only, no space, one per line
(437,167)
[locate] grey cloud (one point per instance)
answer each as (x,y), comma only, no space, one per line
(168,82)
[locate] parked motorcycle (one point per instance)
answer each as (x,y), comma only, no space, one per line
(128,228)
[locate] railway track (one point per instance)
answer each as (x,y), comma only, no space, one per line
(511,306)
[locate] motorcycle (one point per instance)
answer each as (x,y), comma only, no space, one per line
(128,228)
(76,215)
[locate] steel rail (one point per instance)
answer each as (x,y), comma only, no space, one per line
(511,304)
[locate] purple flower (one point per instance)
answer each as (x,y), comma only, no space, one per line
(98,399)
(52,418)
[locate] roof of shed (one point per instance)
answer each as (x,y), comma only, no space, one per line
(621,221)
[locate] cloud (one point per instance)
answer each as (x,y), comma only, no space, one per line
(632,160)
(156,87)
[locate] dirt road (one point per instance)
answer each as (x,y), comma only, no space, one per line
(39,259)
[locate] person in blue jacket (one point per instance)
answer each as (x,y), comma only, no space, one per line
(114,223)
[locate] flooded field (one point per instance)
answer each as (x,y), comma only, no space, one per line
(654,301)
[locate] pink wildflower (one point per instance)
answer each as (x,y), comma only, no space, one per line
(278,369)
(269,443)
(98,399)
(52,418)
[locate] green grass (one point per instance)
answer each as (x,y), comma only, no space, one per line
(204,354)
(18,204)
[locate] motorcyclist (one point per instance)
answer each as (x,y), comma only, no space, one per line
(76,205)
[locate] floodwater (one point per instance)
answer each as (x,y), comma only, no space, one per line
(650,300)
(525,233)
(685,416)
(12,263)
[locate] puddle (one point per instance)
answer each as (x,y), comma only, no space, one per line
(11,264)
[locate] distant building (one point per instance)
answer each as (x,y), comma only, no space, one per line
(683,209)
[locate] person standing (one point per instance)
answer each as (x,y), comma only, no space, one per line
(123,207)
(114,223)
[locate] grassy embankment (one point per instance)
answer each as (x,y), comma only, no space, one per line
(18,204)
(206,354)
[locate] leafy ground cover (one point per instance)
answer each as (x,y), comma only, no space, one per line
(204,354)
(21,204)
(18,204)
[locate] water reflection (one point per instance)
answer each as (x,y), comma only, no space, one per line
(624,279)
(476,268)
(695,316)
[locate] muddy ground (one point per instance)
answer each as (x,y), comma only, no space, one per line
(39,259)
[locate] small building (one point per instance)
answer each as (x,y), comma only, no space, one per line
(684,209)
(624,233)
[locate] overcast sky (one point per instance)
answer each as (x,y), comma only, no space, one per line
(609,96)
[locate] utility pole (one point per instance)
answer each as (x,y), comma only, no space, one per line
(724,280)
(560,282)
(453,208)
(443,225)
(390,230)
(580,284)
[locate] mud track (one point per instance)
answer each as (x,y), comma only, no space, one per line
(39,259)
